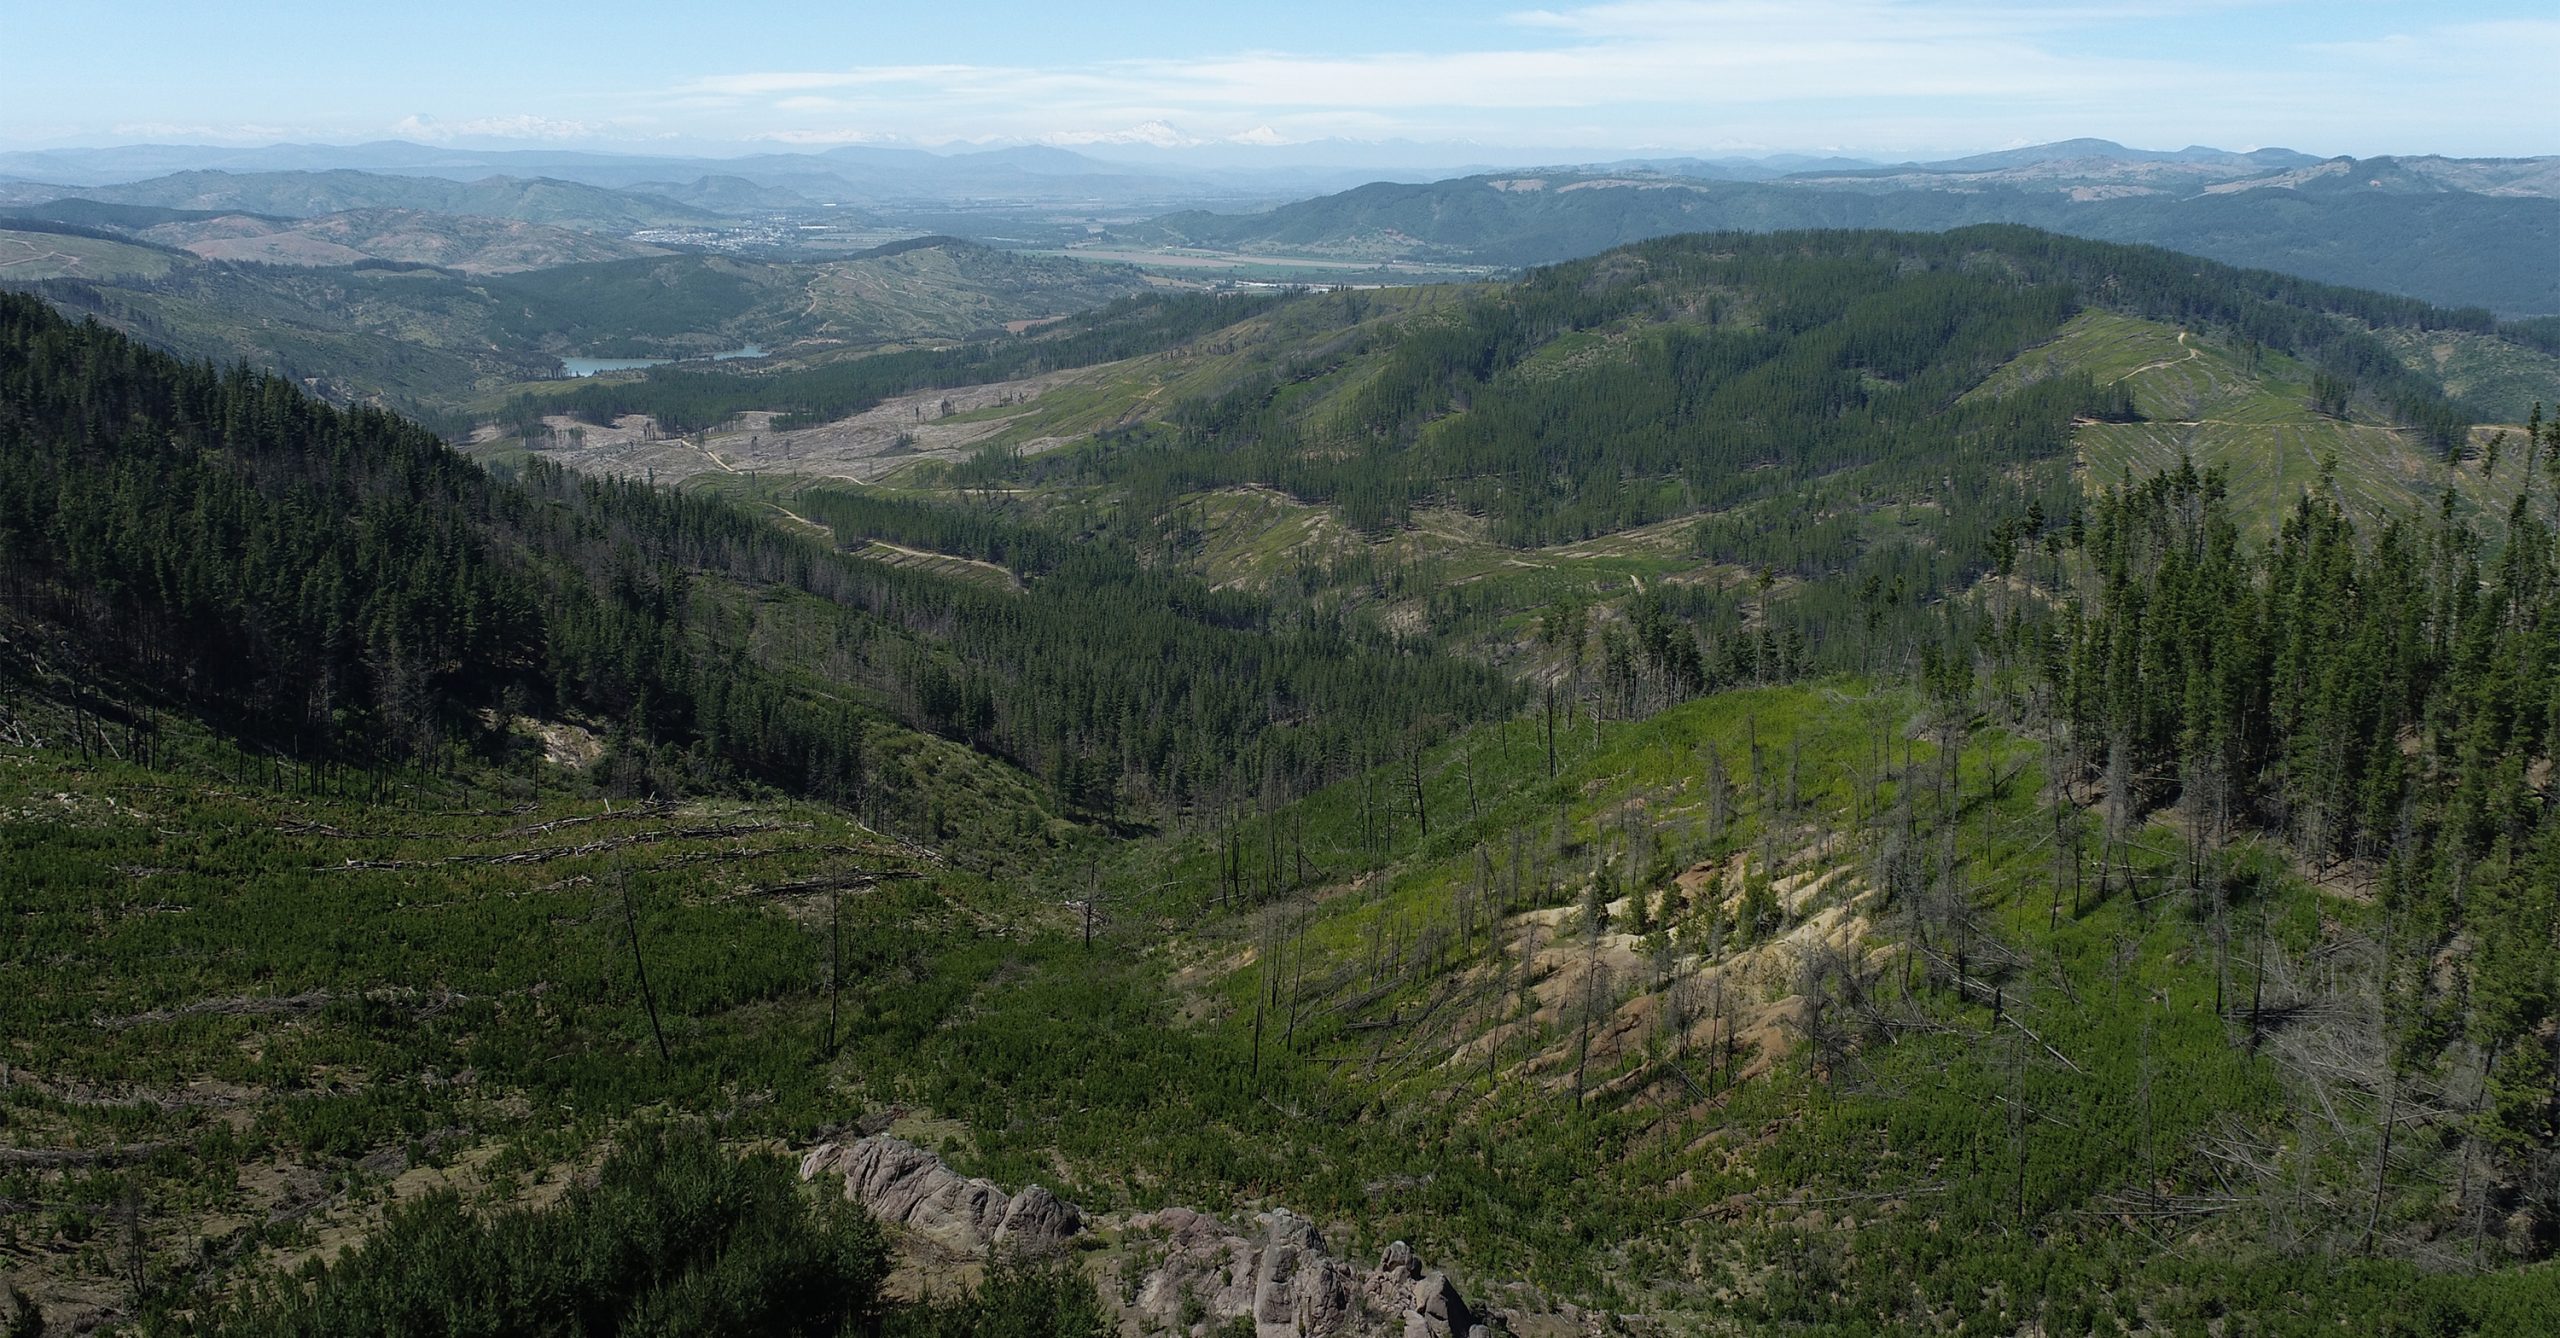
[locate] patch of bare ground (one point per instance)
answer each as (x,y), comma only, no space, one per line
(945,425)
(1719,1004)
(899,555)
(564,744)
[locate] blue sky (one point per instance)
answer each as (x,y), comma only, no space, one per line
(1716,76)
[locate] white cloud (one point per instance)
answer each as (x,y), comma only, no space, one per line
(2488,51)
(1156,134)
(1676,66)
(420,126)
(825,137)
(1886,76)
(198,132)
(803,81)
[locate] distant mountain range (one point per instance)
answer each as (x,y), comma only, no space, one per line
(2459,232)
(1166,174)
(2465,232)
(857,174)
(309,194)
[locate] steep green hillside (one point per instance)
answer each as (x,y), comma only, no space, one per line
(273,655)
(1847,413)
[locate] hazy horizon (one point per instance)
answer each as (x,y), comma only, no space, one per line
(1884,79)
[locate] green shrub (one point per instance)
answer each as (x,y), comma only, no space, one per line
(676,1236)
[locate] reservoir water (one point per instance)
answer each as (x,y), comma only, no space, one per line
(577,367)
(591,366)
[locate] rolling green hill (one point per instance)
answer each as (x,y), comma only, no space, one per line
(1681,417)
(928,288)
(431,340)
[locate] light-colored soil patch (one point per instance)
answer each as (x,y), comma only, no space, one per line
(899,555)
(563,744)
(944,425)
(1737,1000)
(1195,260)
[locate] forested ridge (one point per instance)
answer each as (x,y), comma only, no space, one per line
(341,584)
(1698,373)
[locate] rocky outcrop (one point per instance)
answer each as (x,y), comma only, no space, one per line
(1282,1278)
(908,1187)
(1194,1273)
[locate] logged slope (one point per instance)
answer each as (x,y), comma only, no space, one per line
(2257,416)
(56,252)
(336,656)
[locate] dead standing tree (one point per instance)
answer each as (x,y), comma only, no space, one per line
(640,963)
